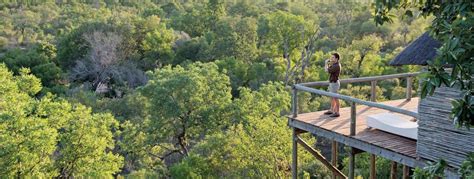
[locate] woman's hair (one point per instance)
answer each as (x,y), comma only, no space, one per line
(336,55)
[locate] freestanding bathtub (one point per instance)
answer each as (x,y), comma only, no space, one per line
(394,124)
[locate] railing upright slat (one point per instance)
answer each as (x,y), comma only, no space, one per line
(373,86)
(409,87)
(294,104)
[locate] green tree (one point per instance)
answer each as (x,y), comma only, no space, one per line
(85,142)
(358,52)
(193,22)
(51,137)
(243,74)
(235,37)
(215,10)
(244,9)
(256,145)
(246,45)
(27,140)
(157,47)
(283,33)
(467,167)
(26,24)
(186,103)
(41,59)
(195,49)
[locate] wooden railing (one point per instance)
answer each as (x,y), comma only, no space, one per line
(353,101)
(373,80)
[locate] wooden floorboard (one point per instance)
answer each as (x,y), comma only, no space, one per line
(341,125)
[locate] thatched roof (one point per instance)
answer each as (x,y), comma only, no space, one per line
(418,52)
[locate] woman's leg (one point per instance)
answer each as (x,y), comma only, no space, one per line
(333,104)
(336,106)
(331,109)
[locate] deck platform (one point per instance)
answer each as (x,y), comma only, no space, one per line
(396,148)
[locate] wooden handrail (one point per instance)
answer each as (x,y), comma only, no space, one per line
(362,79)
(358,101)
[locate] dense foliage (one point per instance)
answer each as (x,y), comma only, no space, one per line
(453,26)
(51,137)
(177,88)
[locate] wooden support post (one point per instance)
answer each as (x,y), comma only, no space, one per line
(373,94)
(334,157)
(352,133)
(393,170)
(409,87)
(320,157)
(406,172)
(294,164)
(351,163)
(353,119)
(294,104)
(372,166)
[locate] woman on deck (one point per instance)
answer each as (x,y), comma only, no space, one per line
(333,67)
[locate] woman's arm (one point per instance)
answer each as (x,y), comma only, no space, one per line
(326,65)
(333,68)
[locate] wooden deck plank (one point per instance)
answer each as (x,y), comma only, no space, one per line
(341,126)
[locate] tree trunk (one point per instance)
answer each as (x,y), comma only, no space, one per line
(359,65)
(182,142)
(303,61)
(288,66)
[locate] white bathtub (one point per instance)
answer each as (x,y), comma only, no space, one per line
(394,124)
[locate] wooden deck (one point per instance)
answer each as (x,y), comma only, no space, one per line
(393,147)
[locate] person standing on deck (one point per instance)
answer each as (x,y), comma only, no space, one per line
(333,67)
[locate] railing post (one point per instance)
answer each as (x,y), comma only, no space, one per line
(373,85)
(352,133)
(409,87)
(294,104)
(353,118)
(294,164)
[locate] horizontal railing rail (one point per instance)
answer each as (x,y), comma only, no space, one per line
(356,100)
(362,79)
(373,79)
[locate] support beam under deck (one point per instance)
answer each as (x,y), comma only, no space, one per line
(320,157)
(406,172)
(353,142)
(372,166)
(393,170)
(334,156)
(294,163)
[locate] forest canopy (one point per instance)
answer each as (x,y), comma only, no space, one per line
(178,88)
